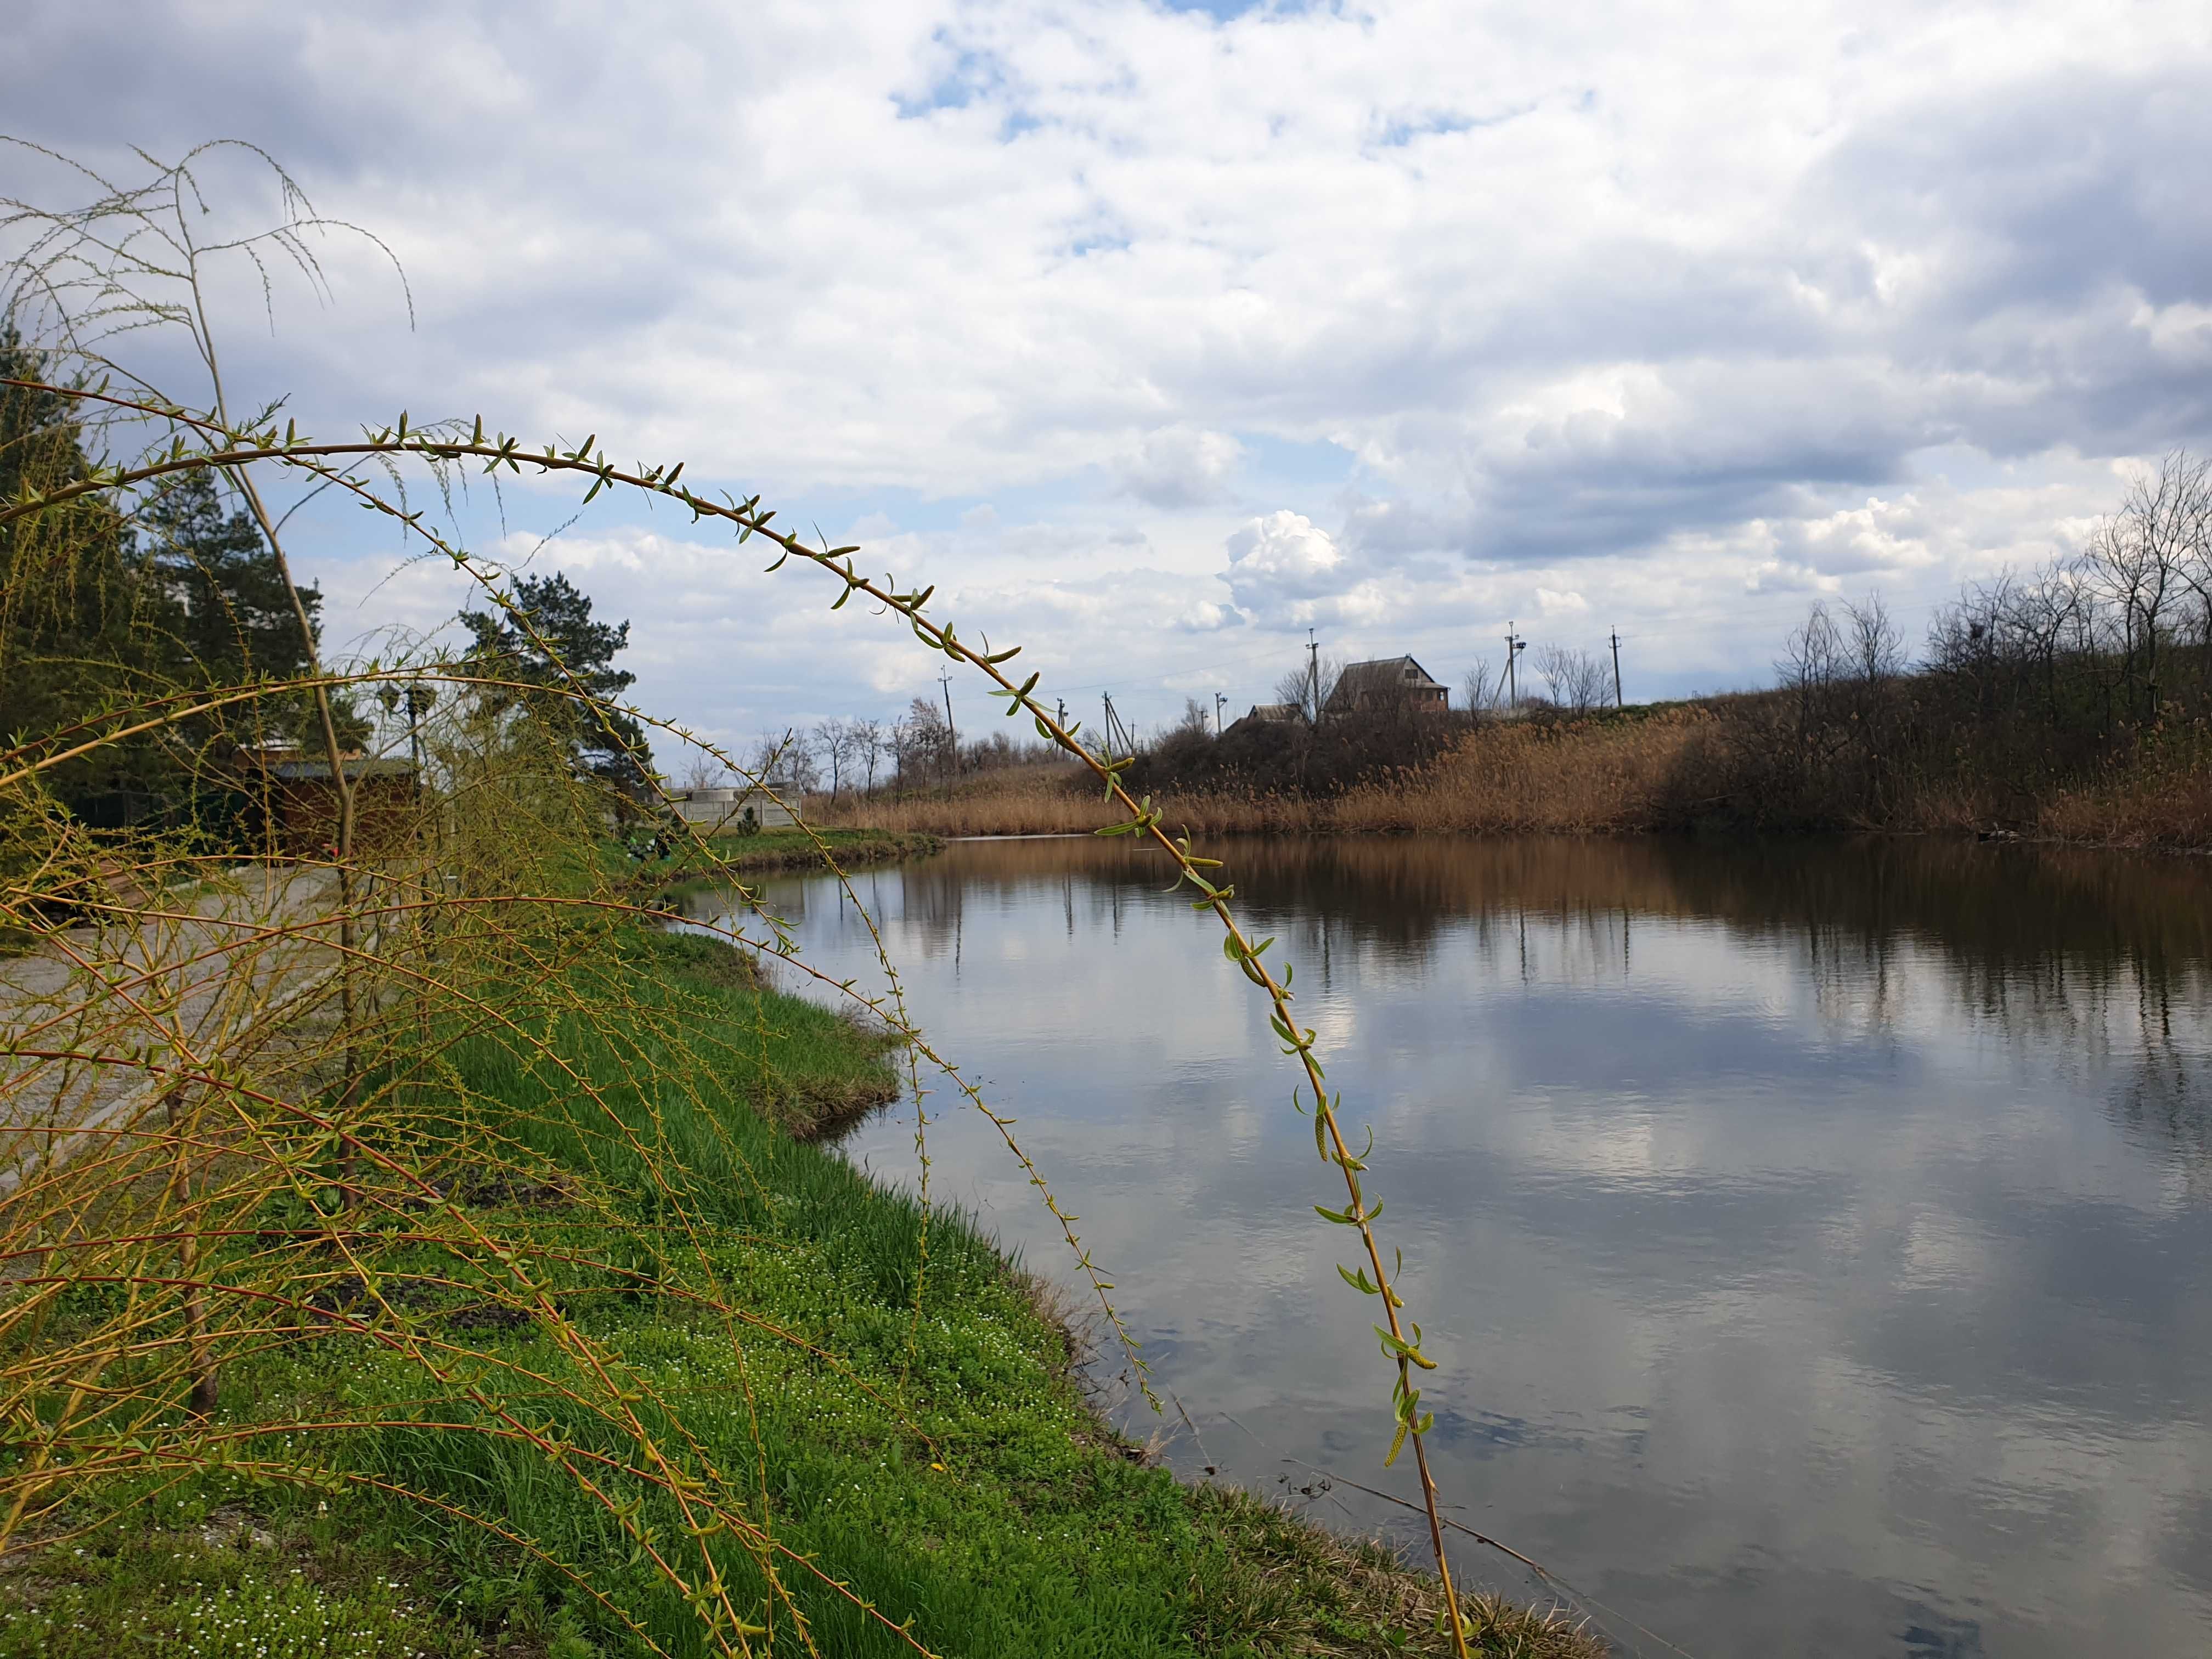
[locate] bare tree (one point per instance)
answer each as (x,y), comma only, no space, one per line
(832,744)
(1812,656)
(785,759)
(868,748)
(2188,483)
(1481,693)
(1309,687)
(924,741)
(1577,680)
(2153,554)
(705,772)
(1871,642)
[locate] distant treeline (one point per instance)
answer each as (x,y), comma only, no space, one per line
(2093,671)
(2075,700)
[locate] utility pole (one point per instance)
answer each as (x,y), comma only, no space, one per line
(1313,676)
(419,697)
(1062,702)
(1116,729)
(952,731)
(1514,647)
(1616,668)
(1217,700)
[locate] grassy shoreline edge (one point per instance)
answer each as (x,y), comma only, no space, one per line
(1040,1532)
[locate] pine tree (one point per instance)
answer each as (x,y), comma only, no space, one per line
(233,616)
(82,631)
(577,651)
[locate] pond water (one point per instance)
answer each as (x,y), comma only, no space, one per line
(1816,1239)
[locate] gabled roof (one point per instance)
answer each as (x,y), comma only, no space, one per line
(1396,671)
(1383,675)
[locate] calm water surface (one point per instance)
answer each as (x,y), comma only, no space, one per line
(1817,1241)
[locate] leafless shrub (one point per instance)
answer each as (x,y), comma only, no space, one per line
(1576,681)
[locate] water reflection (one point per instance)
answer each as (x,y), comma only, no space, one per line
(1814,1236)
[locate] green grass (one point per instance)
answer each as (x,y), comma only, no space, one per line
(781,849)
(243,1594)
(989,1508)
(787,849)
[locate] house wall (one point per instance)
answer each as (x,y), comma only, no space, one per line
(303,815)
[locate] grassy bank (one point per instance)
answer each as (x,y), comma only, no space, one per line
(927,1448)
(1674,769)
(851,846)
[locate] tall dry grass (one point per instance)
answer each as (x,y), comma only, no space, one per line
(1590,777)
(2165,806)
(1583,777)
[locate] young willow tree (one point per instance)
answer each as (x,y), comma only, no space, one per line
(328,1177)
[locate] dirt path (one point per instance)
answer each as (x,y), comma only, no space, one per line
(222,971)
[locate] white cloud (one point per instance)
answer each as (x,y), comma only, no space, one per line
(1285,552)
(1181,467)
(1287,572)
(1640,307)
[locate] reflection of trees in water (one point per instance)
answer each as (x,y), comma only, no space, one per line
(935,902)
(2101,957)
(2163,1101)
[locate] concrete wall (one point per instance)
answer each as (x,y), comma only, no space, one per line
(716,810)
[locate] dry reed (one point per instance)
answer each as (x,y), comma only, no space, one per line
(1523,778)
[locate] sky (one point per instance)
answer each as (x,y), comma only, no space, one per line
(1158,335)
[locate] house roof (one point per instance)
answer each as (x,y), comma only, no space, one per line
(1383,674)
(315,771)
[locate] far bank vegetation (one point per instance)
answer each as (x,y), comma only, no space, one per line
(2071,702)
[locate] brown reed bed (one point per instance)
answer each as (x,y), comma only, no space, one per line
(1526,778)
(1657,772)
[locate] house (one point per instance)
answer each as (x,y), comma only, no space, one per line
(1387,682)
(299,808)
(1270,714)
(727,809)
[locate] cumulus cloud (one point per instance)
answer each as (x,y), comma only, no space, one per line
(1284,553)
(1286,572)
(1181,467)
(1638,310)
